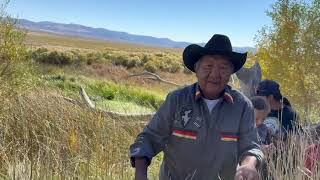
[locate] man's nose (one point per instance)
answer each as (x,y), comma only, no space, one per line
(214,73)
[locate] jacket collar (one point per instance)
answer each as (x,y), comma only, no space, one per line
(226,94)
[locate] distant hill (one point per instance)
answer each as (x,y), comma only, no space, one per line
(105,34)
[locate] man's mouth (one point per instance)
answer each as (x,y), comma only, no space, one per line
(214,82)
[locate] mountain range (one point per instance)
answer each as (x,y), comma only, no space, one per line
(106,34)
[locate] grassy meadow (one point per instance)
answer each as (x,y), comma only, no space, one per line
(43,135)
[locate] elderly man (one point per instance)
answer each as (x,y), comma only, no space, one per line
(207,129)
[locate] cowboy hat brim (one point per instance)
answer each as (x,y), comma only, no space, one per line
(194,52)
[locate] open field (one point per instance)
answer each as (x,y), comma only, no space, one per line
(45,136)
(61,42)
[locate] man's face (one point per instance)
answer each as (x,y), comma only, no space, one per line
(270,99)
(213,73)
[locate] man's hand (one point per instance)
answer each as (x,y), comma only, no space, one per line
(141,169)
(247,170)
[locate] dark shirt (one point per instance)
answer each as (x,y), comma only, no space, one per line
(287,117)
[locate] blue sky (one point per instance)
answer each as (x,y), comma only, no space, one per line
(180,20)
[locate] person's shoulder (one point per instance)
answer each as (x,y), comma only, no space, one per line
(289,110)
(239,97)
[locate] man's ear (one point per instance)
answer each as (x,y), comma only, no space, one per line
(196,72)
(195,67)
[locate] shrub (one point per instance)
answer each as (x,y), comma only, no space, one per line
(134,62)
(95,58)
(78,58)
(175,67)
(54,57)
(13,56)
(150,66)
(145,58)
(120,60)
(39,51)
(43,55)
(103,89)
(150,62)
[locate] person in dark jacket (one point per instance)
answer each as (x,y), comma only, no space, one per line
(205,130)
(282,118)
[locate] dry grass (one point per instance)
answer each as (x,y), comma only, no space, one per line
(42,136)
(286,160)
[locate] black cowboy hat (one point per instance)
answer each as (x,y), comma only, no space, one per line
(218,44)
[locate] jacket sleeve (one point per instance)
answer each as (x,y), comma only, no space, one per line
(248,141)
(156,133)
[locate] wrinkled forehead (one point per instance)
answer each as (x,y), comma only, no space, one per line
(220,59)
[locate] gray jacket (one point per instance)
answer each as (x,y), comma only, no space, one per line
(198,144)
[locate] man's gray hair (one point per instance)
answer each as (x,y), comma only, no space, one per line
(196,65)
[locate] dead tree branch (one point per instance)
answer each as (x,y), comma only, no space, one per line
(91,105)
(86,98)
(154,77)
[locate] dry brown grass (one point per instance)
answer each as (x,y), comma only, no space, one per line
(286,160)
(42,136)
